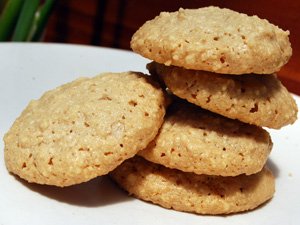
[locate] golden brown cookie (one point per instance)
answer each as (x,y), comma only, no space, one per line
(84,129)
(254,99)
(195,140)
(214,39)
(189,192)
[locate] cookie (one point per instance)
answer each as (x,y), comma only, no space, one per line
(195,140)
(254,99)
(84,129)
(214,39)
(189,192)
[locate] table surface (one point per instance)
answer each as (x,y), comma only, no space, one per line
(28,70)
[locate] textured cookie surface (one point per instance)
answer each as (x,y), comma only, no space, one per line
(198,141)
(254,99)
(213,39)
(84,129)
(189,192)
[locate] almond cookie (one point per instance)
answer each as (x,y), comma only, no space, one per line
(189,192)
(195,140)
(254,99)
(84,129)
(214,39)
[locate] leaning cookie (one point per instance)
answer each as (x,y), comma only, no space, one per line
(84,129)
(253,99)
(214,39)
(195,140)
(189,192)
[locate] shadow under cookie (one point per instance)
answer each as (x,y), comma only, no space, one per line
(100,191)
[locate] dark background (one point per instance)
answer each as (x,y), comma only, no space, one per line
(112,23)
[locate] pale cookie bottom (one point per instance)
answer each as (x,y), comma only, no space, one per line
(189,192)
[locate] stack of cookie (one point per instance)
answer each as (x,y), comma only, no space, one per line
(207,155)
(210,154)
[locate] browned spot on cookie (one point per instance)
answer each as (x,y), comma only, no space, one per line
(254,109)
(107,153)
(105,97)
(132,103)
(222,59)
(84,149)
(50,162)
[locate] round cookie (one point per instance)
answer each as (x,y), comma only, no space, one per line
(195,140)
(84,129)
(189,192)
(254,99)
(214,39)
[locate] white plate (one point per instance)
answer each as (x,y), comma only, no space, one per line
(28,70)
